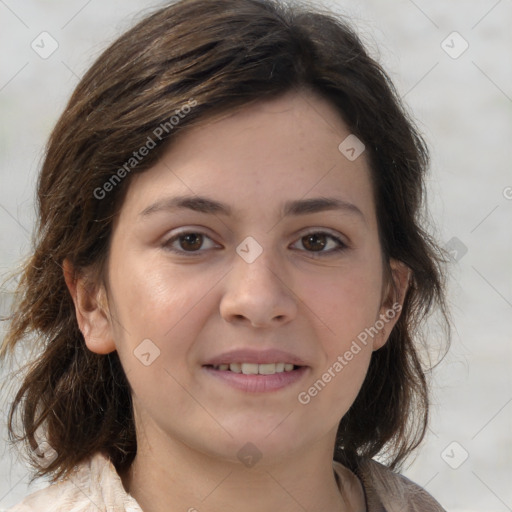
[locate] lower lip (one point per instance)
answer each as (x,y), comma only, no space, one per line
(258,383)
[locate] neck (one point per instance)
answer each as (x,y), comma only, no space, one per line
(189,480)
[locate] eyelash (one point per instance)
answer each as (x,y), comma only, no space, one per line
(341,246)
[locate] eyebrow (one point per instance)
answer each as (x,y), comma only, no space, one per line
(210,206)
(195,203)
(320,204)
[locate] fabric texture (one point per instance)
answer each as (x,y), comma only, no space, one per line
(95,486)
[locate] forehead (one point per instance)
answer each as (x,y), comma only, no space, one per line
(260,157)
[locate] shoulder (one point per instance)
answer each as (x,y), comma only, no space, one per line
(394,490)
(93,486)
(59,497)
(387,491)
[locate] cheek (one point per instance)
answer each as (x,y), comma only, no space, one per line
(346,300)
(160,310)
(334,387)
(158,301)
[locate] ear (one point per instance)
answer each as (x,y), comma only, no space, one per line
(392,301)
(91,309)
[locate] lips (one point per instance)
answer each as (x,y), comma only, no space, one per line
(255,357)
(257,371)
(258,383)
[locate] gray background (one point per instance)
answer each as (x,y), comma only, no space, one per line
(463,107)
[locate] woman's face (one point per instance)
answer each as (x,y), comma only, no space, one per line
(253,240)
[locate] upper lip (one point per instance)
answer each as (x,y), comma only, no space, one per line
(255,357)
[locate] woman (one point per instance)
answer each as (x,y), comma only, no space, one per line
(228,274)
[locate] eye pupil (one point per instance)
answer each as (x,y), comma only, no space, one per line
(191,241)
(314,242)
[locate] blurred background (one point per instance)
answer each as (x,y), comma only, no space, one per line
(451,63)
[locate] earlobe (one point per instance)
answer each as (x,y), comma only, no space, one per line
(393,300)
(91,310)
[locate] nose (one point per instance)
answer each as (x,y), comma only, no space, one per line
(257,295)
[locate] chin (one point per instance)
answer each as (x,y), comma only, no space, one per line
(253,447)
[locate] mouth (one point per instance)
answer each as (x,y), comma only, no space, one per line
(256,371)
(256,378)
(254,368)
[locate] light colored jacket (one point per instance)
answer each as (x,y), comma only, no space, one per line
(95,486)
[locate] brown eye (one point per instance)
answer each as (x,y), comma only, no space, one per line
(314,242)
(191,241)
(320,243)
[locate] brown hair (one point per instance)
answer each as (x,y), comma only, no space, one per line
(219,56)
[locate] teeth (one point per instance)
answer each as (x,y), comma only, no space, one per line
(267,369)
(255,369)
(235,367)
(249,369)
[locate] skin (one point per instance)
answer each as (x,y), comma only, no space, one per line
(196,305)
